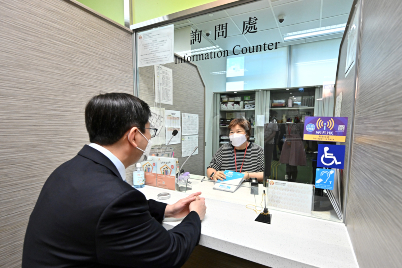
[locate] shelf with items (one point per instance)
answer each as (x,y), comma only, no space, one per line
(238,110)
(292,108)
(237,101)
(290,105)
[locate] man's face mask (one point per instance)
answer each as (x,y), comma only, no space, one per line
(147,151)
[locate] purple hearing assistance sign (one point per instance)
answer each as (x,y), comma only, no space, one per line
(331,129)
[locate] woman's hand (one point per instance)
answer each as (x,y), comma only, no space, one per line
(219,175)
(246,176)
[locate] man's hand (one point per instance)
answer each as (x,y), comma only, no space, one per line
(219,175)
(181,208)
(199,206)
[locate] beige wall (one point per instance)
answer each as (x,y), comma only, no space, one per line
(374,200)
(53,57)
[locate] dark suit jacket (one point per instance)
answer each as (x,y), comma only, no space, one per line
(87,216)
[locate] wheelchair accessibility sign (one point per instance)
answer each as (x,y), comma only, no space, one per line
(331,156)
(324,178)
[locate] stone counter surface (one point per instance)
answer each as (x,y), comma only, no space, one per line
(289,241)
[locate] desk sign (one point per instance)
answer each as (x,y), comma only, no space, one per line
(290,195)
(331,129)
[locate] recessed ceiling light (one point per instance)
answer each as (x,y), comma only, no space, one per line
(290,92)
(287,89)
(235,92)
(315,32)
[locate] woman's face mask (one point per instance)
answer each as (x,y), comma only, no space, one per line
(237,139)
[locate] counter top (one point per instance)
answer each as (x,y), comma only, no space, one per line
(289,241)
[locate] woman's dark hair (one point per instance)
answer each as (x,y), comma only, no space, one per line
(243,123)
(108,116)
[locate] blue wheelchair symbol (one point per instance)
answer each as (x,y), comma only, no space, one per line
(331,156)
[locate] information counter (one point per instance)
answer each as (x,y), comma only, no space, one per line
(290,240)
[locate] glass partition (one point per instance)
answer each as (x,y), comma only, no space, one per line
(247,59)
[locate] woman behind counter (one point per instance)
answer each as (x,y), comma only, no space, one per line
(240,156)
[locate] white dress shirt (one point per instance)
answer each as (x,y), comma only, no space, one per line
(117,163)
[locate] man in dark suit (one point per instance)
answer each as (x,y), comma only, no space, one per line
(88,216)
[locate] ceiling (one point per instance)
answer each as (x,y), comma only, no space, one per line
(299,15)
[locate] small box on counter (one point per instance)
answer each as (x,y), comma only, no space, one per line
(149,167)
(166,172)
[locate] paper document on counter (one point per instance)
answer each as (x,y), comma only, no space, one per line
(231,183)
(190,124)
(188,145)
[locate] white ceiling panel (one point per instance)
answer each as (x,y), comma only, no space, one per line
(210,26)
(209,17)
(265,19)
(334,21)
(283,2)
(300,27)
(310,40)
(229,42)
(263,4)
(332,8)
(181,24)
(325,37)
(268,36)
(298,12)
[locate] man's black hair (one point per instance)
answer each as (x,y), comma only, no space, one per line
(108,116)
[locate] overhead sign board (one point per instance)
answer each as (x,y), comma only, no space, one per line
(331,129)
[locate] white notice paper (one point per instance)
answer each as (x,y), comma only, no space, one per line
(172,122)
(188,145)
(157,120)
(260,120)
(163,85)
(156,46)
(352,43)
(190,124)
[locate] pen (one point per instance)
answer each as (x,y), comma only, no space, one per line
(203,179)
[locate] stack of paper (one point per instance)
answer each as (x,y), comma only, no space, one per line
(231,183)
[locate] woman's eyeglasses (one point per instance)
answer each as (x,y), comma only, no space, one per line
(153,131)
